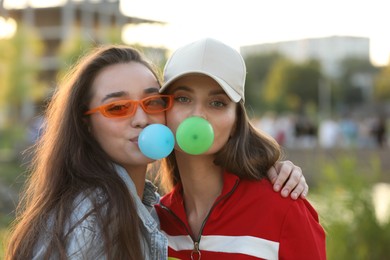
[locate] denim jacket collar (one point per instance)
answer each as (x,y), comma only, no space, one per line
(144,211)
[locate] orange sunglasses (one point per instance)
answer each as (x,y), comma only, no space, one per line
(126,108)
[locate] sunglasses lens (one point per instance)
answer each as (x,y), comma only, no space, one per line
(156,104)
(125,108)
(119,109)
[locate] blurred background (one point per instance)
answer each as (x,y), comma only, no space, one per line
(318,81)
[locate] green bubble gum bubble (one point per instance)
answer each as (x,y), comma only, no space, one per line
(195,135)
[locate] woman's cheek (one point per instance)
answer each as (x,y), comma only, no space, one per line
(174,118)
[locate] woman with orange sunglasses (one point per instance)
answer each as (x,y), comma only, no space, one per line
(87,197)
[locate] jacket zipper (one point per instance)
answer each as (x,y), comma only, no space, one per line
(196,250)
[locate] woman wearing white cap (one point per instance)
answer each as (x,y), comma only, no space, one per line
(222,205)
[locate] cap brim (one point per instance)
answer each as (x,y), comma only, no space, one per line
(233,95)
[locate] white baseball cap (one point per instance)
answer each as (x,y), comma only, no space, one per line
(212,58)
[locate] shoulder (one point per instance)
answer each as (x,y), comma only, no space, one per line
(285,211)
(85,226)
(261,195)
(84,210)
(82,229)
(284,214)
(86,201)
(261,189)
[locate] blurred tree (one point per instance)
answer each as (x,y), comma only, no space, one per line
(275,85)
(303,84)
(258,67)
(78,43)
(112,35)
(293,87)
(76,46)
(382,85)
(19,72)
(355,82)
(6,56)
(71,50)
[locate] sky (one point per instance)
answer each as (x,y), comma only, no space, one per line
(246,22)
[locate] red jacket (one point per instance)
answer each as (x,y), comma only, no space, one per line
(249,220)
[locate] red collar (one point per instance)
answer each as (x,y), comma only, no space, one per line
(175,197)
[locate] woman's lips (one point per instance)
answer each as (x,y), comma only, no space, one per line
(134,140)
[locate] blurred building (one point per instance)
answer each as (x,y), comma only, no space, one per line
(329,51)
(92,18)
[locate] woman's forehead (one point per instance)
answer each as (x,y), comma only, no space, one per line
(131,78)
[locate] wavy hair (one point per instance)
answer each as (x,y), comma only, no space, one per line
(67,162)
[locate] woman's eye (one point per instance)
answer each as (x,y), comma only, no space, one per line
(156,102)
(217,104)
(182,99)
(117,108)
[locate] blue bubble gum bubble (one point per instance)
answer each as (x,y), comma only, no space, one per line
(156,141)
(195,135)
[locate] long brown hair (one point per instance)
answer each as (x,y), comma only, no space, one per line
(248,154)
(68,162)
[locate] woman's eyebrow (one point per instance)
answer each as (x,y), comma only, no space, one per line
(217,92)
(185,88)
(151,90)
(115,94)
(125,93)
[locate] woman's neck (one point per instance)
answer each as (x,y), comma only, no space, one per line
(137,175)
(202,183)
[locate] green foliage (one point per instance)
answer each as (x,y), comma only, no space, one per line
(382,85)
(6,54)
(71,50)
(3,235)
(345,204)
(11,176)
(303,82)
(258,67)
(276,83)
(355,76)
(293,87)
(19,68)
(10,135)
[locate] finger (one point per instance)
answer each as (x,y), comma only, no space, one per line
(296,178)
(299,189)
(305,192)
(272,174)
(284,169)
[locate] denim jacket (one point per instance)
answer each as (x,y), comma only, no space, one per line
(85,241)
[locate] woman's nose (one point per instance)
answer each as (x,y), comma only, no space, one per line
(200,111)
(140,118)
